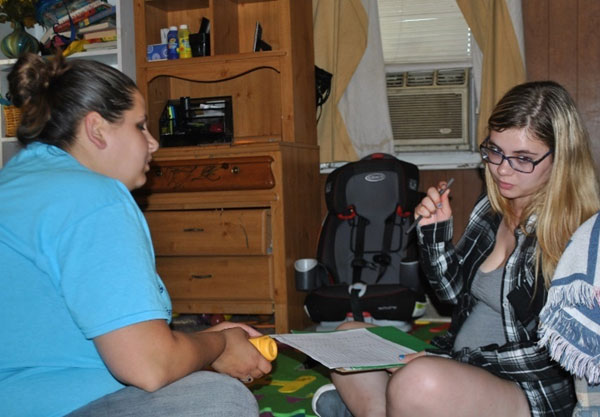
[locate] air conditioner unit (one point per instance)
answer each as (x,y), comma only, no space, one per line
(429,109)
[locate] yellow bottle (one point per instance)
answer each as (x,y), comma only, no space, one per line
(185,51)
(266,346)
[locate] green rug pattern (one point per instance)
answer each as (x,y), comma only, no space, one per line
(288,390)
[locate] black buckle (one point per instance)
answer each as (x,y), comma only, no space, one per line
(359,263)
(382,259)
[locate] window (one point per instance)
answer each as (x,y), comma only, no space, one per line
(427,48)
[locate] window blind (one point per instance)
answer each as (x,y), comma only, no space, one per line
(423,32)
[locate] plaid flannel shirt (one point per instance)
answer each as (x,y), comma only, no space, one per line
(450,271)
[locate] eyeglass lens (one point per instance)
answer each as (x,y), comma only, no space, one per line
(516,162)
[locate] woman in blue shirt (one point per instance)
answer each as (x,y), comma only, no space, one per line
(84,317)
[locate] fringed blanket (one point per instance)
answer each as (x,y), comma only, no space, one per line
(570,320)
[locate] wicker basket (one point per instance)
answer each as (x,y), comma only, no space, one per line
(12,118)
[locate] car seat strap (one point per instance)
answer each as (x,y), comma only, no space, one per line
(358,263)
(383,259)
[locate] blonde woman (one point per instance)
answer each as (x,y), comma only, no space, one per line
(541,185)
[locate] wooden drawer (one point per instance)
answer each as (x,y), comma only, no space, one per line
(210,232)
(243,173)
(229,277)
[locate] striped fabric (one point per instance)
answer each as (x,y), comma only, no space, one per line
(450,271)
(570,320)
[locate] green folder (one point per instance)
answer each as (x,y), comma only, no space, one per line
(394,334)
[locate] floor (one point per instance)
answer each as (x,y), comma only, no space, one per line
(288,390)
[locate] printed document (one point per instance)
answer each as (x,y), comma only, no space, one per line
(356,349)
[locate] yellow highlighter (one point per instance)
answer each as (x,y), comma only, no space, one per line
(266,346)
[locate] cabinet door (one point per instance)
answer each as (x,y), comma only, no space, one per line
(214,277)
(210,232)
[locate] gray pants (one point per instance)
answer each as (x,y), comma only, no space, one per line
(199,394)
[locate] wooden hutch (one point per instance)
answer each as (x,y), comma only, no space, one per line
(229,220)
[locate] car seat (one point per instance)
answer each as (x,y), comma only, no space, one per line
(367,262)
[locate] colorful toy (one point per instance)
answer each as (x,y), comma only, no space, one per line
(266,346)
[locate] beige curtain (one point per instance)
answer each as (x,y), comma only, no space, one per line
(364,104)
(355,119)
(503,65)
(340,36)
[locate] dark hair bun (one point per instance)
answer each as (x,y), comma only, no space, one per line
(55,95)
(29,83)
(31,76)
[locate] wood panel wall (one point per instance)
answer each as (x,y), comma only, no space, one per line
(562,43)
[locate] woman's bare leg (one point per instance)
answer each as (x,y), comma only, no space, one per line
(362,392)
(430,386)
(433,386)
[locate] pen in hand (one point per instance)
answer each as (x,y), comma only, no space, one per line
(418,219)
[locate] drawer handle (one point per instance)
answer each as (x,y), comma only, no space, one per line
(194,276)
(193,229)
(235,170)
(158,172)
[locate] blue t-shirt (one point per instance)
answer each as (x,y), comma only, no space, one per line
(76,262)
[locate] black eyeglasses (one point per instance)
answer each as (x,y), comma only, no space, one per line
(518,163)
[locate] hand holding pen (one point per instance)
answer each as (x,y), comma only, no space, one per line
(431,204)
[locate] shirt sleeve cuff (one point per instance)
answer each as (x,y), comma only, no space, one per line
(436,232)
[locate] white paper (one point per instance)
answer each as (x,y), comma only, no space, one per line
(346,349)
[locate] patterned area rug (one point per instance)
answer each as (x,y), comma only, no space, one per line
(288,390)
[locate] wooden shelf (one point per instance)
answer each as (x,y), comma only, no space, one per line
(215,68)
(274,119)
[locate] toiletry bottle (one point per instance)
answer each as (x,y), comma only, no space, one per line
(185,51)
(172,43)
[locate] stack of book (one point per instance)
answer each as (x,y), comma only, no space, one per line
(90,21)
(100,35)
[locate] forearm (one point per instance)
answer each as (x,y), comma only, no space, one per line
(150,355)
(440,261)
(192,352)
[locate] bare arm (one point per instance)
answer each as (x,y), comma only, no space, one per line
(149,355)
